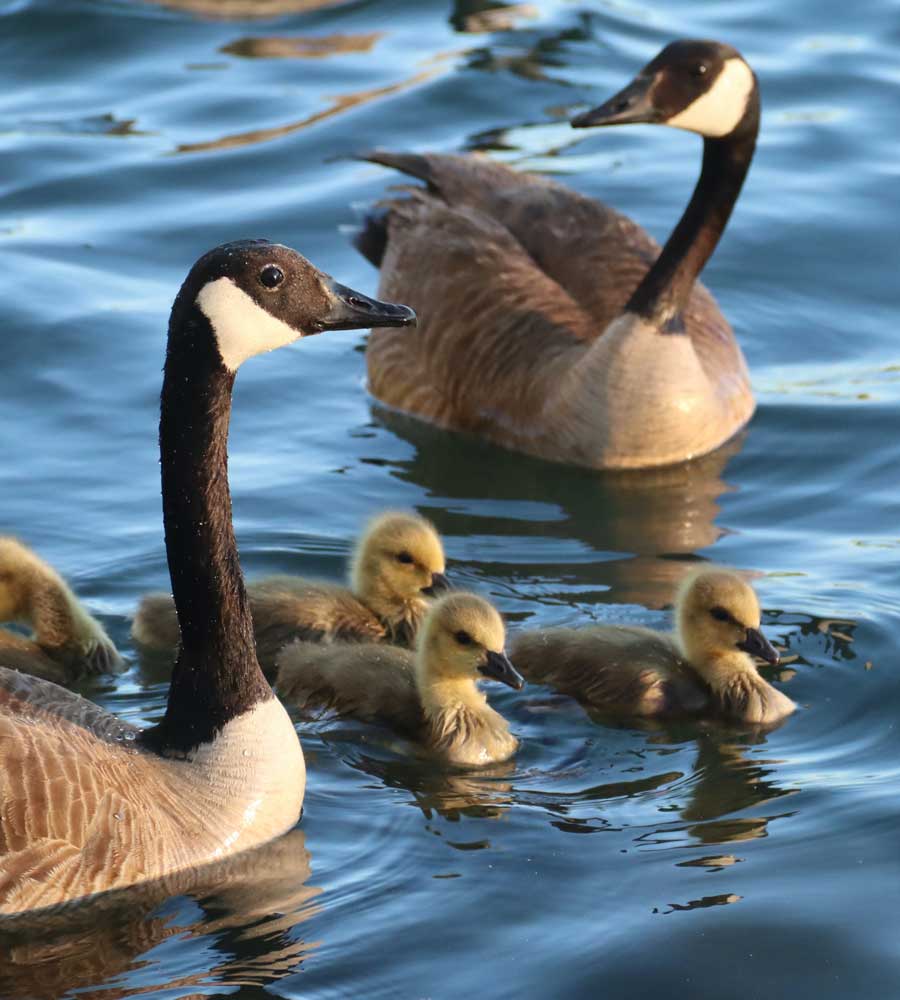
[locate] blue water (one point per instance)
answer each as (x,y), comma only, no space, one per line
(691,861)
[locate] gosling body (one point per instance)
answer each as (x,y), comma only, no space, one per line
(397,566)
(66,641)
(430,696)
(550,323)
(705,668)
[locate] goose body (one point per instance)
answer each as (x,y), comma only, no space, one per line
(66,642)
(430,696)
(397,565)
(553,325)
(705,667)
(89,803)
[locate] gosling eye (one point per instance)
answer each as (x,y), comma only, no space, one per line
(404,557)
(721,615)
(271,276)
(699,69)
(463,638)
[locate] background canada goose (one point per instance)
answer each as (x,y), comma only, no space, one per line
(431,696)
(553,325)
(397,564)
(89,803)
(706,666)
(66,642)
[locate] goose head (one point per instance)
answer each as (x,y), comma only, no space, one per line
(398,559)
(462,640)
(701,86)
(719,618)
(257,296)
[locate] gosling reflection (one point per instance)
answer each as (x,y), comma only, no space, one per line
(654,519)
(728,780)
(485,793)
(251,905)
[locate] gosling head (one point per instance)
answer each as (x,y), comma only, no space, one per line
(462,639)
(701,86)
(257,296)
(399,559)
(17,563)
(718,617)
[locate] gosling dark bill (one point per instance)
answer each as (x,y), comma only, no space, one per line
(758,645)
(439,584)
(499,667)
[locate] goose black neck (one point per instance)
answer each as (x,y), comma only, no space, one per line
(666,287)
(217,676)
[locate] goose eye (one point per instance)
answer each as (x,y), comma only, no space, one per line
(721,615)
(271,276)
(699,70)
(463,638)
(404,557)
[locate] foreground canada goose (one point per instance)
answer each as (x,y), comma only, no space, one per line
(431,696)
(553,325)
(398,564)
(90,803)
(67,642)
(706,666)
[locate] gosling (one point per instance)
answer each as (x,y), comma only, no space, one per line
(705,667)
(66,642)
(431,696)
(397,567)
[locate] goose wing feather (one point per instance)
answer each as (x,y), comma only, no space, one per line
(491,323)
(621,670)
(595,254)
(367,682)
(598,255)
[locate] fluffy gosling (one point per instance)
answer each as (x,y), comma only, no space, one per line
(431,696)
(706,666)
(66,642)
(397,567)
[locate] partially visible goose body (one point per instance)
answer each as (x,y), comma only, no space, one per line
(548,322)
(90,803)
(66,642)
(431,696)
(706,667)
(398,565)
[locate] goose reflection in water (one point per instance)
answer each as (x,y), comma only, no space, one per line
(250,906)
(643,526)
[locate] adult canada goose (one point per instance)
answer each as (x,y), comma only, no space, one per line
(553,325)
(431,696)
(66,642)
(397,566)
(705,667)
(90,803)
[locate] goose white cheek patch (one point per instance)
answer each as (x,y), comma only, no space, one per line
(718,111)
(241,327)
